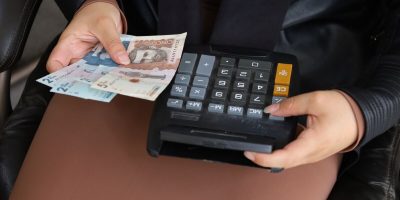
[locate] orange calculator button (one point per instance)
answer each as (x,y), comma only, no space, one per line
(281,90)
(283,73)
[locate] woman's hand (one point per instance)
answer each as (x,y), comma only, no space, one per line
(331,127)
(96,22)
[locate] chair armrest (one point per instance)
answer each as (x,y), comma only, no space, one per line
(16,18)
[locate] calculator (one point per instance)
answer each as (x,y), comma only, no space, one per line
(214,107)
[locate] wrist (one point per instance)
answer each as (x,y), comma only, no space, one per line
(99,9)
(359,120)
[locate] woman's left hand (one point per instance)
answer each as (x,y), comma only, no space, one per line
(331,127)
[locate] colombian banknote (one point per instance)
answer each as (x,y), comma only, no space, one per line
(154,60)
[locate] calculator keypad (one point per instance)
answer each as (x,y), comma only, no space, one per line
(227,85)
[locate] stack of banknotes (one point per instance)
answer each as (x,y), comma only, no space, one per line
(154,60)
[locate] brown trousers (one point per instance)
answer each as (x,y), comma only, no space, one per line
(91,150)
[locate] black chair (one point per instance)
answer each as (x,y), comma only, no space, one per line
(375,176)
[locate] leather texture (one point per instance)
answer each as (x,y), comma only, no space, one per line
(370,46)
(16,18)
(376,174)
(5,102)
(19,129)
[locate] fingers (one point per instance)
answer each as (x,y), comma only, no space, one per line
(296,153)
(59,57)
(298,105)
(107,33)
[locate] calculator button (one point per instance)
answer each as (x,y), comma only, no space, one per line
(257,99)
(276,99)
(243,74)
(178,91)
(255,64)
(224,72)
(174,103)
(206,65)
(187,63)
(281,90)
(227,62)
(261,76)
(218,94)
(222,83)
(215,108)
(194,105)
(235,110)
(255,113)
(200,81)
(283,74)
(182,79)
(238,98)
(241,85)
(260,88)
(197,93)
(276,118)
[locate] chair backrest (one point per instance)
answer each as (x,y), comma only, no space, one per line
(16,18)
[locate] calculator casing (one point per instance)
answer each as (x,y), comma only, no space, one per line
(221,137)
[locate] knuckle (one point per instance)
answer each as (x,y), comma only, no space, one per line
(113,45)
(317,98)
(102,21)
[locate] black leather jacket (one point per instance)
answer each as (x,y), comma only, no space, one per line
(351,45)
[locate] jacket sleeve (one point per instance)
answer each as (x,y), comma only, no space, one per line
(379,99)
(70,7)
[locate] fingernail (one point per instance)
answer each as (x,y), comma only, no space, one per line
(271,108)
(249,155)
(123,58)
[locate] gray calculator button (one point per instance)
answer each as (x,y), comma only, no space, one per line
(215,108)
(224,72)
(219,94)
(197,93)
(227,62)
(243,74)
(255,64)
(194,105)
(276,99)
(178,91)
(221,83)
(235,110)
(187,63)
(256,113)
(175,103)
(260,88)
(276,118)
(257,99)
(182,79)
(261,76)
(241,85)
(206,65)
(200,81)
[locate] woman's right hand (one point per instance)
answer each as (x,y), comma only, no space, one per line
(97,22)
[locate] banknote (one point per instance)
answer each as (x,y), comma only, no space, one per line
(82,90)
(144,84)
(99,56)
(154,60)
(75,80)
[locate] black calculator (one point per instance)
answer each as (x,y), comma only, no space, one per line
(214,107)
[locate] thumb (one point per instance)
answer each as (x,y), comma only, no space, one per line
(293,106)
(108,35)
(59,57)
